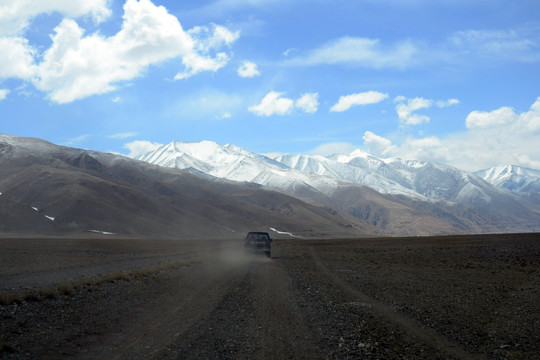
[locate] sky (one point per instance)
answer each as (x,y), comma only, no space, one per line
(450,81)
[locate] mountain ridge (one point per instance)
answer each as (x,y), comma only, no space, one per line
(317,178)
(77,191)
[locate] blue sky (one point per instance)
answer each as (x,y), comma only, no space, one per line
(450,81)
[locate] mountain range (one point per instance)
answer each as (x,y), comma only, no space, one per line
(206,190)
(47,189)
(522,181)
(470,202)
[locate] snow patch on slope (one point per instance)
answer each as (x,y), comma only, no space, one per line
(284,233)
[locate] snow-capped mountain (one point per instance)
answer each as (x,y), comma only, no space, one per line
(411,178)
(47,188)
(358,168)
(295,173)
(513,178)
(233,163)
(54,190)
(392,194)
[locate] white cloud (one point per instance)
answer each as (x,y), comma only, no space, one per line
(248,69)
(76,140)
(79,65)
(405,110)
(140,147)
(406,107)
(505,117)
(333,148)
(225,115)
(378,145)
(495,138)
(447,103)
(205,104)
(15,15)
(211,38)
(16,58)
(517,44)
(3,93)
(75,67)
(308,102)
(206,41)
(346,102)
(272,104)
(123,135)
(482,119)
(361,51)
(289,51)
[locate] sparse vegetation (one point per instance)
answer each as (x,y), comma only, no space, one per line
(116,275)
(48,293)
(30,295)
(10,297)
(7,298)
(143,272)
(66,289)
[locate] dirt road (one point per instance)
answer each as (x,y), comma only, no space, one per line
(435,298)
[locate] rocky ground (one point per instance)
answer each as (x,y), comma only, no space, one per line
(401,298)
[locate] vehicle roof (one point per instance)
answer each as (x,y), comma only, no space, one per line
(257,232)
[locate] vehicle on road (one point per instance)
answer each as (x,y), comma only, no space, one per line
(258,242)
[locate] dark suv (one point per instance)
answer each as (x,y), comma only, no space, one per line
(258,242)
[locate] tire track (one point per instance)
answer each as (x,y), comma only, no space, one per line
(411,326)
(284,332)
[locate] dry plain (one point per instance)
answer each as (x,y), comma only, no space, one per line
(454,297)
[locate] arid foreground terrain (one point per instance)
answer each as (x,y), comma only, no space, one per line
(461,297)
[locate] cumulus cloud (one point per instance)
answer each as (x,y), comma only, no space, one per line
(447,103)
(206,40)
(483,119)
(78,65)
(499,137)
(405,110)
(346,102)
(3,94)
(406,107)
(308,102)
(248,69)
(378,145)
(361,51)
(273,103)
(140,147)
(15,15)
(16,58)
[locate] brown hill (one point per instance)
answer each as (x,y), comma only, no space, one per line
(85,191)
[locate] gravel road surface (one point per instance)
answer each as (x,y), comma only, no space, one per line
(470,297)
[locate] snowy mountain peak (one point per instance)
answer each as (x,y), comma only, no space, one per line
(512,177)
(360,153)
(228,162)
(417,179)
